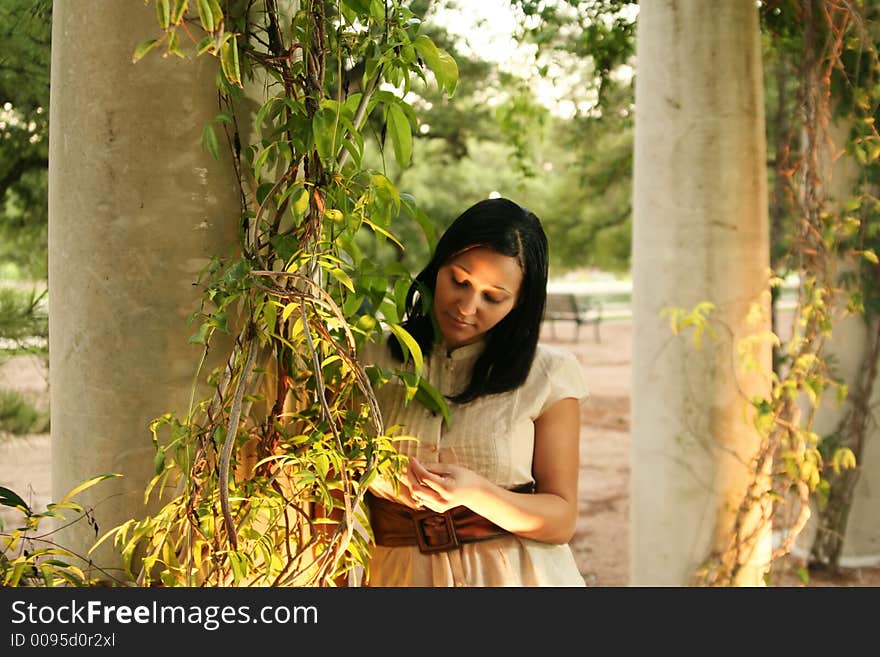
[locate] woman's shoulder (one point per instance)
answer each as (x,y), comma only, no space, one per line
(550,357)
(563,371)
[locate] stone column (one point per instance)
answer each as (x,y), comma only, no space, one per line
(700,234)
(848,350)
(136,209)
(861,546)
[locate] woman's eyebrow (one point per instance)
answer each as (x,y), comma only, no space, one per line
(497,287)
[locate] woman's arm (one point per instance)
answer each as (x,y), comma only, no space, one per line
(548,515)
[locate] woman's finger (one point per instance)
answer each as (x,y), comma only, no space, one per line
(418,469)
(437,483)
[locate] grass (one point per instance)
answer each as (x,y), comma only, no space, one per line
(18,416)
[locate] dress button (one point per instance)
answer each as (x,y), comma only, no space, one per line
(433,448)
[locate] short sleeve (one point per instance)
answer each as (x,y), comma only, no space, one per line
(566,378)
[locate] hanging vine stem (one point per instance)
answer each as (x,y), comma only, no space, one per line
(232,432)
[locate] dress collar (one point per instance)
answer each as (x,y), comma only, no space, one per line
(471,350)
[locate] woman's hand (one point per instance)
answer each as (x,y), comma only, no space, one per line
(442,486)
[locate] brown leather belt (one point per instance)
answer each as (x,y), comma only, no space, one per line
(397,525)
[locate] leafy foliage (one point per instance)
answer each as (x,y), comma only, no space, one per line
(28,554)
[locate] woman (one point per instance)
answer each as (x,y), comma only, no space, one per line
(490,499)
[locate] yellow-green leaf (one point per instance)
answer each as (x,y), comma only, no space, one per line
(342,277)
(143,48)
(216,12)
(206,16)
(229,61)
(179,10)
(163,13)
(86,484)
(409,345)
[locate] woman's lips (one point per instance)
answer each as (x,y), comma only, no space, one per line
(457,322)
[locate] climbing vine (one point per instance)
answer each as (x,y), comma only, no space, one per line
(261,481)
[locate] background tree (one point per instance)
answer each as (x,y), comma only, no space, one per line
(25,28)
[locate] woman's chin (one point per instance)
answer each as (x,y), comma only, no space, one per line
(459,338)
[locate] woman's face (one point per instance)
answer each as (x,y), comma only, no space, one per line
(475,290)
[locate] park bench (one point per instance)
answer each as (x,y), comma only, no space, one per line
(565,306)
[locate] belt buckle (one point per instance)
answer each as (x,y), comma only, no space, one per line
(435,532)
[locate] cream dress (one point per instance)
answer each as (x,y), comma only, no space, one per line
(493,436)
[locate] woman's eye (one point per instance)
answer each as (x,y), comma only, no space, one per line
(458,282)
(491,299)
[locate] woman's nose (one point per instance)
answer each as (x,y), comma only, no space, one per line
(467,304)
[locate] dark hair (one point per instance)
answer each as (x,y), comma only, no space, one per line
(509,229)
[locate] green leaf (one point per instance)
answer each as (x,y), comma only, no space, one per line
(409,346)
(428,227)
(163,13)
(300,203)
(11,498)
(209,141)
(205,45)
(440,62)
(263,191)
(159,461)
(174,44)
(401,135)
(285,246)
(324,131)
(362,7)
(411,381)
(377,11)
(342,277)
(143,48)
(206,16)
(179,9)
(289,309)
(86,484)
(201,336)
(229,61)
(216,12)
(239,566)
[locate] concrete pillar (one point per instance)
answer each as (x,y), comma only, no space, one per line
(700,234)
(136,209)
(847,349)
(861,547)
(862,543)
